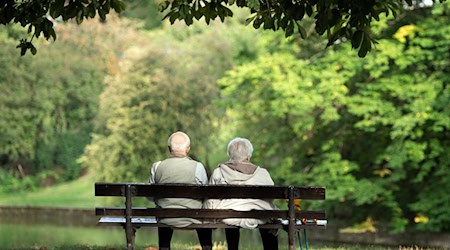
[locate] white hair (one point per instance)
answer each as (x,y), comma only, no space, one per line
(239,149)
(179,146)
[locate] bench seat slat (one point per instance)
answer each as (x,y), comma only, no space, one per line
(152,222)
(209,191)
(208,213)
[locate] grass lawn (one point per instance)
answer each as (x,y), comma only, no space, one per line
(222,247)
(75,194)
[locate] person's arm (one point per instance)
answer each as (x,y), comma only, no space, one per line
(266,179)
(151,179)
(200,174)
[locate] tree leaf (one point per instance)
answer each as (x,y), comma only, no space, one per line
(309,10)
(257,23)
(79,17)
(289,29)
(299,12)
(228,12)
(357,38)
(250,19)
(53,34)
(33,49)
(173,17)
(91,10)
(302,31)
(365,45)
(268,22)
(189,19)
(253,4)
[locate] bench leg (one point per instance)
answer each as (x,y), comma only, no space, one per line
(129,229)
(130,235)
(292,219)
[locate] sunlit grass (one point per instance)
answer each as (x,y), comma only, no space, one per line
(216,247)
(18,237)
(74,194)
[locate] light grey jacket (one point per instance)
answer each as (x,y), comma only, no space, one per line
(226,175)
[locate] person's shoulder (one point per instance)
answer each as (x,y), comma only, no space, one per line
(262,170)
(163,160)
(189,159)
(259,168)
(217,169)
(221,165)
(217,174)
(194,161)
(263,176)
(155,164)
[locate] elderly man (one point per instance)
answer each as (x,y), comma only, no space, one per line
(179,168)
(240,171)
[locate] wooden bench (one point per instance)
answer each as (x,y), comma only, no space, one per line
(132,218)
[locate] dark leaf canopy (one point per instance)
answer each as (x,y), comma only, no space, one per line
(344,20)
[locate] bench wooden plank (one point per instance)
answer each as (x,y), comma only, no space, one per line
(152,222)
(208,191)
(208,213)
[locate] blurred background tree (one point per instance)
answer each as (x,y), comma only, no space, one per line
(165,84)
(49,104)
(375,132)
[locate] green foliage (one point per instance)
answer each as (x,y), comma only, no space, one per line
(295,105)
(39,105)
(146,11)
(373,131)
(340,20)
(165,84)
(13,183)
(49,104)
(39,16)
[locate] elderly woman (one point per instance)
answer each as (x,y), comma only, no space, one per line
(240,171)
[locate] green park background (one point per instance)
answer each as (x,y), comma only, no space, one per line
(99,103)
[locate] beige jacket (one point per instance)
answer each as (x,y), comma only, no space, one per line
(227,175)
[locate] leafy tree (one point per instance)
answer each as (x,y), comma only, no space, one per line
(145,11)
(42,109)
(166,83)
(373,131)
(343,20)
(48,104)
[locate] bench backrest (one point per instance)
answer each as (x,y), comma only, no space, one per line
(209,191)
(130,190)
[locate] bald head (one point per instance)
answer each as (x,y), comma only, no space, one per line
(179,144)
